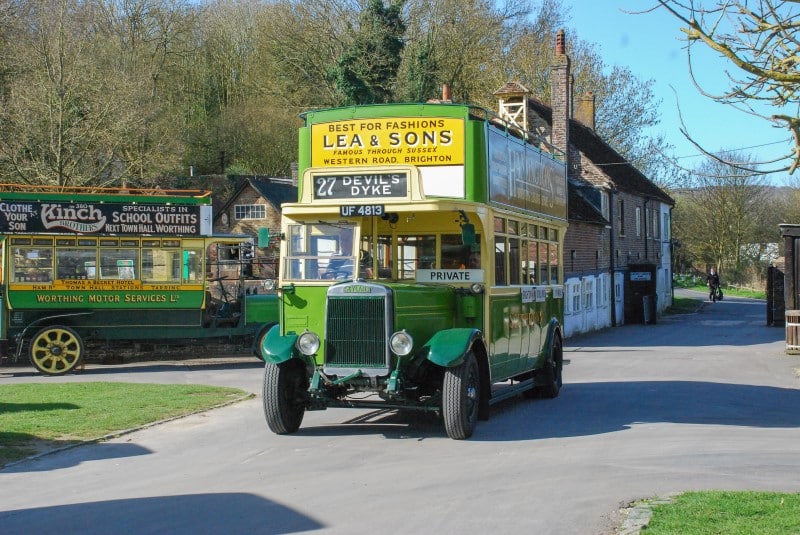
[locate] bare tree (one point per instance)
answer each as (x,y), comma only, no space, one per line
(725,212)
(85,105)
(759,39)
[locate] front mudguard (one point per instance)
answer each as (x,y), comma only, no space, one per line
(277,348)
(448,348)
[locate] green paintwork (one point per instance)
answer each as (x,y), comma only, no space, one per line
(304,309)
(261,308)
(447,348)
(105,299)
(277,348)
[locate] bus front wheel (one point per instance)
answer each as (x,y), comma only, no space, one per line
(56,350)
(461,398)
(285,387)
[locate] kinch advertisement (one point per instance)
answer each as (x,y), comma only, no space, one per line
(87,218)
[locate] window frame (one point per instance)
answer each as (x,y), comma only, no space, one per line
(244,212)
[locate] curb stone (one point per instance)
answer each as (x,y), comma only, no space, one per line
(638,515)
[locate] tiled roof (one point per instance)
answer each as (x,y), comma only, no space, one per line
(621,173)
(512,87)
(582,210)
(277,192)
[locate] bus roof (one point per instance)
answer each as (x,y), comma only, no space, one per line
(32,192)
(394,110)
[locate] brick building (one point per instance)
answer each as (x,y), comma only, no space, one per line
(254,206)
(619,219)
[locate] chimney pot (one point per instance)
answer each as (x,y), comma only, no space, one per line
(560,45)
(446,93)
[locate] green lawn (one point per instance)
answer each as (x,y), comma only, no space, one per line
(37,417)
(731,513)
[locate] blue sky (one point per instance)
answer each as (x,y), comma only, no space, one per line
(650,46)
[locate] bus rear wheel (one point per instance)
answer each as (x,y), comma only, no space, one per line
(285,387)
(553,372)
(461,398)
(56,350)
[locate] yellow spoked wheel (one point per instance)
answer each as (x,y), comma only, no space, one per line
(56,350)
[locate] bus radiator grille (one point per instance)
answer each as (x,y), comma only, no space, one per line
(356,332)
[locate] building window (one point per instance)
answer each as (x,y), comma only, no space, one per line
(602,290)
(588,294)
(250,211)
(621,216)
(655,225)
(647,221)
(604,204)
(575,297)
(638,221)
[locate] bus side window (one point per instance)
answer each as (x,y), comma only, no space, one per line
(413,253)
(513,260)
(384,257)
(456,255)
(500,260)
(120,264)
(33,264)
(192,264)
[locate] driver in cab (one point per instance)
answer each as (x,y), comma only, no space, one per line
(341,265)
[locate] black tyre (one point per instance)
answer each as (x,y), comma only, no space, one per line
(461,398)
(285,387)
(56,350)
(553,372)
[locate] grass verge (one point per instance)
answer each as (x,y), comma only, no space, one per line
(732,513)
(683,305)
(37,417)
(727,290)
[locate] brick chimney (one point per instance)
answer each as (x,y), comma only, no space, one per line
(560,97)
(584,109)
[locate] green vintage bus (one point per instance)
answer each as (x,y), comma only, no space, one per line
(421,268)
(80,265)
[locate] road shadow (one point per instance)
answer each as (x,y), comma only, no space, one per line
(184,514)
(593,409)
(605,407)
(735,321)
(89,451)
(391,423)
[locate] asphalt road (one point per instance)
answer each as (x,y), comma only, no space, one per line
(701,401)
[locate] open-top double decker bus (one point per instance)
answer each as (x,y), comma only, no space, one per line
(421,268)
(80,265)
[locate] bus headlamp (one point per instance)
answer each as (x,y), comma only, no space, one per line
(307,343)
(401,343)
(476,288)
